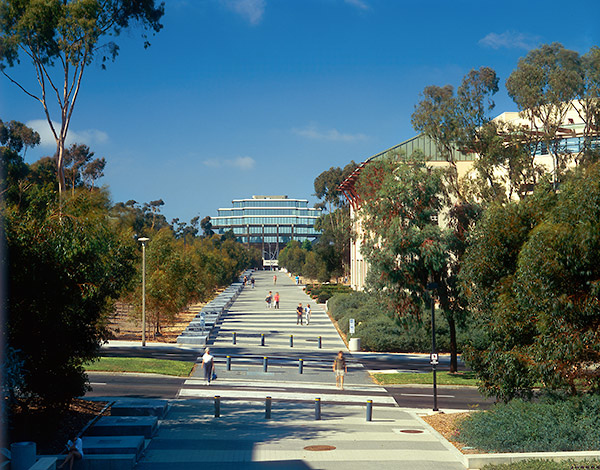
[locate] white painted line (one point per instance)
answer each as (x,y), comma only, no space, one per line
(97,383)
(425,395)
(210,392)
(295,385)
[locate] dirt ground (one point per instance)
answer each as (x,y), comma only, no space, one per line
(51,430)
(447,425)
(125,325)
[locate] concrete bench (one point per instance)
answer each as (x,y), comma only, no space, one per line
(139,407)
(101,462)
(95,445)
(124,426)
(44,463)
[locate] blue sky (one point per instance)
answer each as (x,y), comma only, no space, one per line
(243,97)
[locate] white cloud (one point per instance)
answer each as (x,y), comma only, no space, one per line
(510,40)
(312,132)
(239,163)
(358,4)
(250,10)
(89,137)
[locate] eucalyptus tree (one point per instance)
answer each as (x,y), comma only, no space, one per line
(407,250)
(543,86)
(61,38)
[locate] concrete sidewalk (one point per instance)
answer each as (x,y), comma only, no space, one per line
(242,438)
(191,437)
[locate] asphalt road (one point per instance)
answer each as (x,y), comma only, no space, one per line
(106,384)
(156,386)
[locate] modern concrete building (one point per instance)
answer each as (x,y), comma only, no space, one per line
(269,223)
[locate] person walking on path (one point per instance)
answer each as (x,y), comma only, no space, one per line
(340,369)
(75,452)
(274,279)
(299,311)
(252,282)
(297,280)
(307,314)
(208,365)
(269,299)
(276,299)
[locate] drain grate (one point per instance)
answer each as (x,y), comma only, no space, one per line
(319,448)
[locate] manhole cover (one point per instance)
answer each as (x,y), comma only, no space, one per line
(319,448)
(411,431)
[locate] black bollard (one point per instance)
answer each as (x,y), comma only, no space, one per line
(300,366)
(268,408)
(319,342)
(234,338)
(217,406)
(291,341)
(228,362)
(262,339)
(317,408)
(265,363)
(369,410)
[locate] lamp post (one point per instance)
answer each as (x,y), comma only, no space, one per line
(143,241)
(434,356)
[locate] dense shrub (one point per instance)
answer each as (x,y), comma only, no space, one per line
(555,423)
(545,465)
(381,331)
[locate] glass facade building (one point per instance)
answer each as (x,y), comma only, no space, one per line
(269,222)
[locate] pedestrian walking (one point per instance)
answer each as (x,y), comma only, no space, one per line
(208,366)
(297,280)
(276,299)
(299,311)
(269,299)
(307,314)
(252,282)
(245,280)
(340,369)
(274,279)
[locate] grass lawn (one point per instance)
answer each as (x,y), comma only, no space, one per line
(141,364)
(443,378)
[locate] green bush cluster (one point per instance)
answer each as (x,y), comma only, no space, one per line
(380,330)
(546,465)
(323,292)
(554,423)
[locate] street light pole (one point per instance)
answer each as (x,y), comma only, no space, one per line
(143,241)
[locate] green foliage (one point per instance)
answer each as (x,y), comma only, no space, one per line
(546,465)
(380,330)
(442,378)
(553,424)
(531,275)
(62,38)
(65,269)
(143,365)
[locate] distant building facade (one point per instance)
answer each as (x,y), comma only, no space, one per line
(569,140)
(269,223)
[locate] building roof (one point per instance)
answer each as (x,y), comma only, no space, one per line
(419,142)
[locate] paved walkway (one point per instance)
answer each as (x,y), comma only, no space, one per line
(192,437)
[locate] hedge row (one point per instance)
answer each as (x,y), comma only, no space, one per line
(546,465)
(323,292)
(381,331)
(552,424)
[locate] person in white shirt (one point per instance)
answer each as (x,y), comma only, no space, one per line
(307,313)
(75,449)
(208,364)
